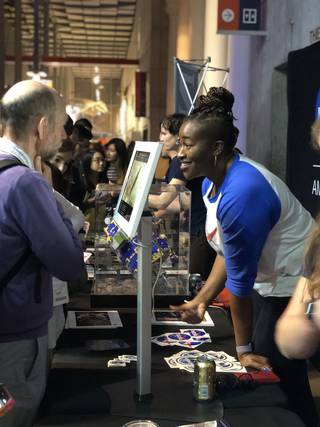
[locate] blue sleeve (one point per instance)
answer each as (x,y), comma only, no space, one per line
(247,212)
(49,232)
(205,186)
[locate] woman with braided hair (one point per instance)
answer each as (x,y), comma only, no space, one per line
(258,229)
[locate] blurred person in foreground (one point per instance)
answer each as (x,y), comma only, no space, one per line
(37,242)
(298,329)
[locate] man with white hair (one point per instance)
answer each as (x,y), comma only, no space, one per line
(37,242)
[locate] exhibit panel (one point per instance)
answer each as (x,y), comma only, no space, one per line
(116,256)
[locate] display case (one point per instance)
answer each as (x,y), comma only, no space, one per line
(115,262)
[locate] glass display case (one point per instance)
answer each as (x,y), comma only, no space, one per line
(115,259)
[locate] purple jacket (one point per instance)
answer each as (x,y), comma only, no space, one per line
(31,217)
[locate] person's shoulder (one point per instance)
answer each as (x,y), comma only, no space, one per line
(247,176)
(175,163)
(26,179)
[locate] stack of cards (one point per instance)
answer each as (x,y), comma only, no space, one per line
(185,360)
(189,338)
(122,360)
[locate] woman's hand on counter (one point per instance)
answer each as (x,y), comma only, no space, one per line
(191,311)
(252,360)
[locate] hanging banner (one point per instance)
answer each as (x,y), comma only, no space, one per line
(240,17)
(303,162)
(190,80)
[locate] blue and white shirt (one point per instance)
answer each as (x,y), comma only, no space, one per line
(259,227)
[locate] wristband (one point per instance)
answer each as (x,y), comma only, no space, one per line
(241,349)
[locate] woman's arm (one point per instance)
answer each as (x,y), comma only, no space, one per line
(297,336)
(164,199)
(193,311)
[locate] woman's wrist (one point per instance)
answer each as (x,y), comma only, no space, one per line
(246,348)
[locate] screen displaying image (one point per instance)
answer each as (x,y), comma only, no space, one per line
(135,189)
(135,184)
(92,319)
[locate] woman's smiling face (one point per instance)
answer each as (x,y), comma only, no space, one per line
(196,153)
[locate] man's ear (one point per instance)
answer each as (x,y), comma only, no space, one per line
(43,128)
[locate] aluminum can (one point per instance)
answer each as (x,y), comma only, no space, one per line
(195,283)
(204,379)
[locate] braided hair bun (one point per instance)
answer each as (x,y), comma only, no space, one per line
(214,114)
(218,100)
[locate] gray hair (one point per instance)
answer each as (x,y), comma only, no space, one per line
(17,112)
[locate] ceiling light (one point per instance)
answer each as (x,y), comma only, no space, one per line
(96,79)
(36,76)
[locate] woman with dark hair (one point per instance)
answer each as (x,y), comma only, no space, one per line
(117,158)
(94,165)
(258,229)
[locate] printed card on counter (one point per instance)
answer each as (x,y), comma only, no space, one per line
(93,320)
(185,360)
(169,317)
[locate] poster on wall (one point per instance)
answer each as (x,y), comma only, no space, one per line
(303,162)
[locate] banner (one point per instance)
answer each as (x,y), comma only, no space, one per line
(191,79)
(240,16)
(303,162)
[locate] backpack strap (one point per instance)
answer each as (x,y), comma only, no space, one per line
(15,268)
(6,164)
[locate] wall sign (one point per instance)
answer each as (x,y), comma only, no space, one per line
(240,16)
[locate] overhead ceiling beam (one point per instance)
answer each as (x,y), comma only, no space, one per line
(93,6)
(76,60)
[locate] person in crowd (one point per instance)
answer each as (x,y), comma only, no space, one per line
(63,179)
(117,158)
(68,127)
(169,136)
(39,242)
(94,165)
(131,148)
(258,229)
(81,136)
(201,254)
